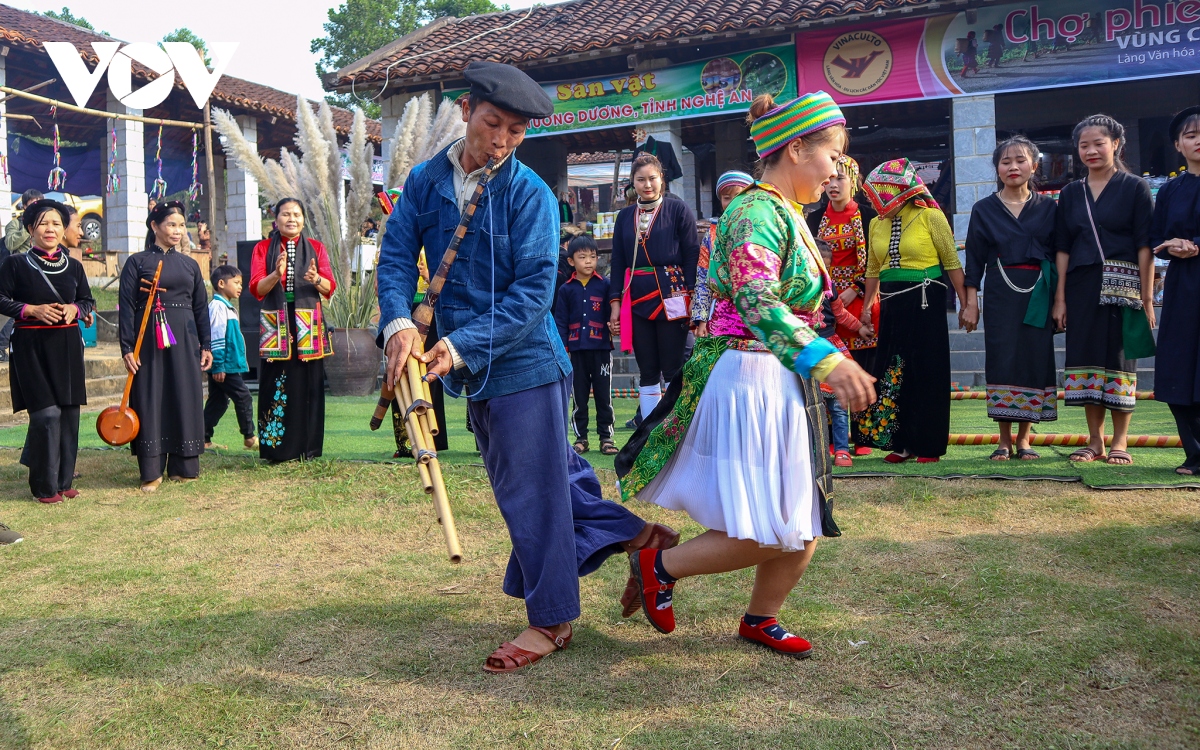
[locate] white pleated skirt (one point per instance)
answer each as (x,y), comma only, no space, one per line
(745,466)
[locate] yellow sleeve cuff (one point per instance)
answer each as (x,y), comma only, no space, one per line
(821,370)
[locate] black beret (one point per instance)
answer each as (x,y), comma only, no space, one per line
(33,212)
(508,88)
(1177,122)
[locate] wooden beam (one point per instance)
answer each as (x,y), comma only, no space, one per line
(100,113)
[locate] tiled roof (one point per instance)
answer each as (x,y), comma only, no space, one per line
(543,33)
(597,157)
(28,30)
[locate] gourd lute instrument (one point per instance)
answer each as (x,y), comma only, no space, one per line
(118,425)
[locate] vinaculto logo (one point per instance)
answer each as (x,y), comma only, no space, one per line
(170,58)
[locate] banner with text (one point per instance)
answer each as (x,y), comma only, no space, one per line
(706,87)
(1011,47)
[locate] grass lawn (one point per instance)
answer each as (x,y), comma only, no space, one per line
(312,606)
(348,438)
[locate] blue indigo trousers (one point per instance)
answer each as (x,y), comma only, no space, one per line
(560,526)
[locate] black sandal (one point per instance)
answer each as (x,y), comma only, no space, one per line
(608,448)
(1000,455)
(1028,454)
(581,446)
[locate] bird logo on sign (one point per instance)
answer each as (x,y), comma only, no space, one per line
(858,62)
(855,66)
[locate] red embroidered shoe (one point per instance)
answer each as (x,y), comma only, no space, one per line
(842,458)
(51,500)
(896,458)
(789,645)
(661,537)
(927,460)
(862,450)
(70,494)
(655,596)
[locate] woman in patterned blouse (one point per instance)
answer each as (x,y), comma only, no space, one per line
(743,449)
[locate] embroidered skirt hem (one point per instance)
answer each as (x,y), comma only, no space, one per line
(1021,378)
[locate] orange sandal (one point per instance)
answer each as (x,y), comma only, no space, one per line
(511,658)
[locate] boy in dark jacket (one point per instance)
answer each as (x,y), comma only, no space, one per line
(581,313)
(225,381)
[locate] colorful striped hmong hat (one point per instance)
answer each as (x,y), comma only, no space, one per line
(894,183)
(734,178)
(799,117)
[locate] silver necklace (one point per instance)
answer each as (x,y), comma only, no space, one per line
(53,266)
(1015,203)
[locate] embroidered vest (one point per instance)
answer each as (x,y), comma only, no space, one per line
(311,339)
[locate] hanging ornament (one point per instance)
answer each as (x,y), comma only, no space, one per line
(114,180)
(194,189)
(160,185)
(58,176)
(164,336)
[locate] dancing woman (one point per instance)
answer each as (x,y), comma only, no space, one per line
(911,244)
(742,449)
(44,291)
(1105,294)
(168,390)
(291,396)
(1011,236)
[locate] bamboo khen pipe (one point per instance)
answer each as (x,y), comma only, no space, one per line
(418,420)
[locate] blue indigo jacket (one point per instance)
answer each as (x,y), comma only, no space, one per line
(495,306)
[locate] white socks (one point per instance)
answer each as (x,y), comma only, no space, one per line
(649,396)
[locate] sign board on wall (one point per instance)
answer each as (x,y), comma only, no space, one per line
(1001,48)
(720,85)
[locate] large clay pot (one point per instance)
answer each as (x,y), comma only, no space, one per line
(354,366)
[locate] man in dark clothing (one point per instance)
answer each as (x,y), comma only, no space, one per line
(581,314)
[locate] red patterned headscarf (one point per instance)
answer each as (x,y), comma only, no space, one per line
(894,183)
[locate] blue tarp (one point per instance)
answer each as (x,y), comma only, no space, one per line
(30,162)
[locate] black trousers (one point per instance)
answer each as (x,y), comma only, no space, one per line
(1187,420)
(658,348)
(152,467)
(234,389)
(51,446)
(592,373)
(6,335)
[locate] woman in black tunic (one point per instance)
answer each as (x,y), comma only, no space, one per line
(44,291)
(1105,294)
(168,393)
(293,341)
(656,242)
(1175,236)
(1011,236)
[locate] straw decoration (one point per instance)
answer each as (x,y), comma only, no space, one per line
(113,184)
(195,189)
(160,185)
(58,176)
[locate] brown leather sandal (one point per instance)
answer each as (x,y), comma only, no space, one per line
(511,658)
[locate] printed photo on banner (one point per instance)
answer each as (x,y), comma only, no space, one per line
(1001,48)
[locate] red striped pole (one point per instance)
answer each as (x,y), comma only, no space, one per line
(1071,441)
